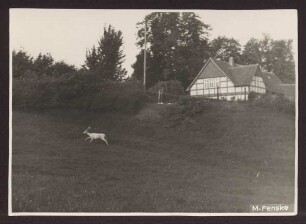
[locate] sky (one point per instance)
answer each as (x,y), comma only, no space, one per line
(68,33)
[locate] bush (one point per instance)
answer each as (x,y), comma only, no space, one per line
(275,102)
(193,105)
(253,96)
(172,90)
(32,93)
(178,114)
(78,91)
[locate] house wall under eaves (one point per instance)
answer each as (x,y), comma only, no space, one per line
(213,83)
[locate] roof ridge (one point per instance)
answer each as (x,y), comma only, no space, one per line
(238,65)
(242,66)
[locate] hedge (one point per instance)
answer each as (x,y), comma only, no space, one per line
(81,91)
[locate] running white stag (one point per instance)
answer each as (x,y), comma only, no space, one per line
(93,136)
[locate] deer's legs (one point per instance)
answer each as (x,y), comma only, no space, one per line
(105,140)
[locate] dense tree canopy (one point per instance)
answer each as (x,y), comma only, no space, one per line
(43,64)
(272,55)
(223,48)
(24,65)
(177,45)
(61,68)
(106,59)
(22,62)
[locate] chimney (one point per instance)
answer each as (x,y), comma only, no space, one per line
(231,61)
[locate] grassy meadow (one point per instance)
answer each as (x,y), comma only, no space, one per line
(228,159)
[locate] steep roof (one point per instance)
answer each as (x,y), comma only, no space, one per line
(271,81)
(242,75)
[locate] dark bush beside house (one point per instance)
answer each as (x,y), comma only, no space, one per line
(275,102)
(253,96)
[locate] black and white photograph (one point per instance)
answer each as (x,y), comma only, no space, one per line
(142,112)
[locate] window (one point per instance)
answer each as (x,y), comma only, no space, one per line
(206,84)
(211,84)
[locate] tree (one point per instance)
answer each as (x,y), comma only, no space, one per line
(43,64)
(224,48)
(106,59)
(282,62)
(193,47)
(177,45)
(252,53)
(92,59)
(61,68)
(21,63)
(258,51)
(272,56)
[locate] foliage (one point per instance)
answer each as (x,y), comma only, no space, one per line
(43,64)
(32,92)
(275,102)
(282,62)
(193,105)
(25,67)
(177,44)
(81,91)
(61,68)
(22,62)
(106,59)
(224,48)
(172,90)
(178,114)
(92,59)
(272,55)
(253,96)
(138,67)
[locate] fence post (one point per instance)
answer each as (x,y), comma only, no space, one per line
(217,92)
(162,92)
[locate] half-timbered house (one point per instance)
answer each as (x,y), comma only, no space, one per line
(230,81)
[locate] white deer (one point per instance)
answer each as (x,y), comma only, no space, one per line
(93,136)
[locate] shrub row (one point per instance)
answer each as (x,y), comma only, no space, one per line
(273,101)
(193,105)
(82,92)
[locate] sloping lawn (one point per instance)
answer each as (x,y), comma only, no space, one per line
(224,162)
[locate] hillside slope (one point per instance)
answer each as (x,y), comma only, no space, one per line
(227,160)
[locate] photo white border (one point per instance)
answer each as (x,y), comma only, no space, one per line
(11,213)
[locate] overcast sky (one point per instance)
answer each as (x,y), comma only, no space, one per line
(66,34)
